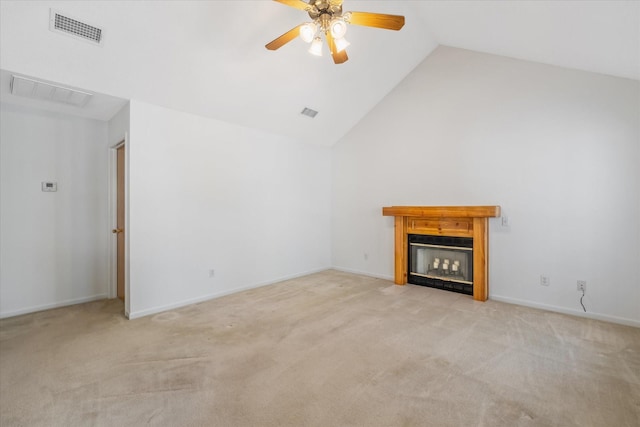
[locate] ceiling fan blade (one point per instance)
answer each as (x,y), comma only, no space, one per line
(284,39)
(298,4)
(378,20)
(338,57)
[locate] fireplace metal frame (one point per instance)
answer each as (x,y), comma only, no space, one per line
(454,245)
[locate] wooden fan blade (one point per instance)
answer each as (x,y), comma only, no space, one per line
(284,39)
(338,57)
(378,20)
(298,4)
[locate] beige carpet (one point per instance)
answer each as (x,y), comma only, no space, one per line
(330,349)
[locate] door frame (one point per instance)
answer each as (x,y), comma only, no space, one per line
(113,221)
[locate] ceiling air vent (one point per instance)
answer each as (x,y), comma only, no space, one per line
(23,86)
(66,25)
(309,112)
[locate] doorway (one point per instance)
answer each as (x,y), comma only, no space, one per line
(118,209)
(119,230)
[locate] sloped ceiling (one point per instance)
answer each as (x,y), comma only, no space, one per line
(208,57)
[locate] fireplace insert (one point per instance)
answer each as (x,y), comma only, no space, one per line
(441,262)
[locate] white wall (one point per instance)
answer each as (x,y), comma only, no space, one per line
(558,149)
(118,126)
(53,249)
(204,194)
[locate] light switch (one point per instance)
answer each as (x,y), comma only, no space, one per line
(49,186)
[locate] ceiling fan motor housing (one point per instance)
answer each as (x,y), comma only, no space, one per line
(324,7)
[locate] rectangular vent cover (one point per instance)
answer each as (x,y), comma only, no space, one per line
(72,27)
(309,112)
(29,88)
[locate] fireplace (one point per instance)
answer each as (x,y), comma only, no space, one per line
(441,262)
(457,234)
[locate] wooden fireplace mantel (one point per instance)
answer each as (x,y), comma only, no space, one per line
(458,221)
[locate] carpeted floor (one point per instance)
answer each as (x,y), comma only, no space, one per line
(330,349)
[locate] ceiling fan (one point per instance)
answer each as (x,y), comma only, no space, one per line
(327,18)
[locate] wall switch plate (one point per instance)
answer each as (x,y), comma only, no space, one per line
(49,186)
(504,221)
(545,280)
(212,273)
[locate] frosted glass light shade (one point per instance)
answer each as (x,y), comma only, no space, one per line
(341,44)
(308,31)
(316,47)
(338,28)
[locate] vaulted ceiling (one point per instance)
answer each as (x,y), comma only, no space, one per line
(208,57)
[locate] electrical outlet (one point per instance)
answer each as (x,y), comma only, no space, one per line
(582,286)
(504,221)
(545,280)
(212,273)
(49,186)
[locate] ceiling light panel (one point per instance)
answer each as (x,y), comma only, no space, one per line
(30,88)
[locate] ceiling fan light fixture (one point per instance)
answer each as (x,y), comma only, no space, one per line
(308,31)
(327,18)
(341,44)
(316,47)
(338,27)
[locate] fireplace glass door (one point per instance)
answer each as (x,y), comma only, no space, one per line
(441,262)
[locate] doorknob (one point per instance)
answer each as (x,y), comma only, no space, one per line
(117,230)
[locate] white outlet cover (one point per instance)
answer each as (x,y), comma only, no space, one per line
(49,186)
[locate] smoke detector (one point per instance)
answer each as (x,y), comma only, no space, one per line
(64,24)
(35,89)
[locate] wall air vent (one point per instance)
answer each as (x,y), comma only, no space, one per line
(29,88)
(309,112)
(64,24)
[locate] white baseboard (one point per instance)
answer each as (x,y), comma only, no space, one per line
(563,310)
(183,303)
(362,273)
(51,305)
(155,310)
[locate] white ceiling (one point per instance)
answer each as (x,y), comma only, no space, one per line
(208,57)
